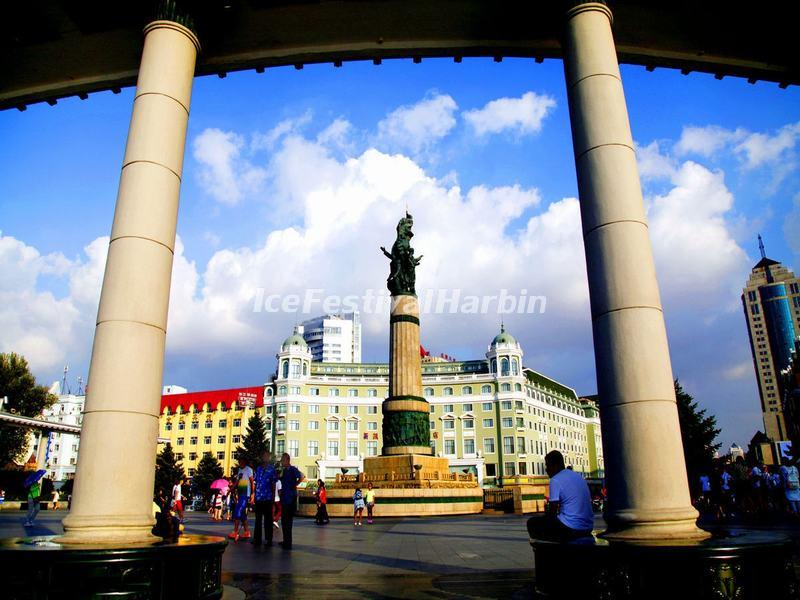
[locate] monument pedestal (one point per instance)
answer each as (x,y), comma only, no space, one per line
(413,471)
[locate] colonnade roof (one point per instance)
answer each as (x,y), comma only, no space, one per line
(50,49)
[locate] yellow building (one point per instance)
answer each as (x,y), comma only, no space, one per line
(491,416)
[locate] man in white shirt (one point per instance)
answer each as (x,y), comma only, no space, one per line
(569,513)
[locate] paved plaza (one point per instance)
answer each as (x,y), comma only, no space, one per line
(472,557)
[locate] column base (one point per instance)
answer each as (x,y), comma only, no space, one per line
(655,525)
(745,566)
(107,530)
(43,567)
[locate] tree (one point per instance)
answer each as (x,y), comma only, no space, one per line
(698,432)
(169,470)
(24,398)
(255,440)
(208,469)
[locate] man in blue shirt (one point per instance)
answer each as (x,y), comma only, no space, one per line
(569,513)
(265,479)
(290,478)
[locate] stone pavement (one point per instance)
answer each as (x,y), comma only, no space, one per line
(445,557)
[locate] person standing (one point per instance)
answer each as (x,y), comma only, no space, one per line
(176,503)
(34,491)
(245,496)
(265,478)
(358,507)
(370,502)
(290,479)
(322,503)
(569,513)
(791,487)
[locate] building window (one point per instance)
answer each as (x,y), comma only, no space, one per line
(523,468)
(220,456)
(486,407)
(294,425)
(221,439)
(352,425)
(448,408)
(372,448)
(509,469)
(281,409)
(313,392)
(466,390)
(520,422)
(427,391)
(505,387)
(514,366)
(352,448)
(466,407)
(433,424)
(372,410)
(313,448)
(313,425)
(333,425)
(195,425)
(313,409)
(488,422)
(206,439)
(468,424)
(491,470)
(372,393)
(192,455)
(352,393)
(505,405)
(333,392)
(372,426)
(181,425)
(448,391)
(448,424)
(469,446)
(294,448)
(450,447)
(168,427)
(352,410)
(508,445)
(504,367)
(333,448)
(236,423)
(294,408)
(280,446)
(521,444)
(507,422)
(333,409)
(486,389)
(192,441)
(179,441)
(488,446)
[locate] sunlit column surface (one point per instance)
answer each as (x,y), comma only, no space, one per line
(112,498)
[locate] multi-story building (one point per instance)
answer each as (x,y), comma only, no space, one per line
(490,416)
(61,454)
(771,302)
(333,338)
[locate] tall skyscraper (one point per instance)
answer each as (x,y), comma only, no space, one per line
(771,301)
(334,338)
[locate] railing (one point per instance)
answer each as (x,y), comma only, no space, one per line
(499,500)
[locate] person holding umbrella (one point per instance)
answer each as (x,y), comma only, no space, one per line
(220,488)
(34,492)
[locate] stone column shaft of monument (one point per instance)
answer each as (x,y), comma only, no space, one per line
(644,463)
(115,473)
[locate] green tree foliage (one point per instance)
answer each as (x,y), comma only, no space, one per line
(169,471)
(24,398)
(255,440)
(699,432)
(208,469)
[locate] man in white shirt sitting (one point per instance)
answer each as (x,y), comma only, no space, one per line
(569,513)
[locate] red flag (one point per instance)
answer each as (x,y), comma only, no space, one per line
(422,351)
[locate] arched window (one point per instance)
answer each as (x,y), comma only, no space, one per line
(285,369)
(305,368)
(504,366)
(466,390)
(517,387)
(448,391)
(428,392)
(167,411)
(296,368)
(486,389)
(514,366)
(282,390)
(269,391)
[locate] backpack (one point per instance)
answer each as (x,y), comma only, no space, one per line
(792,478)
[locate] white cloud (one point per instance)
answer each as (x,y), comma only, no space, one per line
(652,163)
(523,115)
(756,149)
(290,126)
(743,370)
(417,126)
(706,141)
(224,174)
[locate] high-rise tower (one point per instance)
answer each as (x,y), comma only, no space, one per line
(771,301)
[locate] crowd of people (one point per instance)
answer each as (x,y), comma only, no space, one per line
(740,490)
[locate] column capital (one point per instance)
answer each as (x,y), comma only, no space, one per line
(575,7)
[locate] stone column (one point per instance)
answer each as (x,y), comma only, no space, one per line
(406,428)
(644,464)
(115,472)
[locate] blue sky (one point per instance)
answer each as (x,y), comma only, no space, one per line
(292,180)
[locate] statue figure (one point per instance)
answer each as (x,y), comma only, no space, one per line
(402,277)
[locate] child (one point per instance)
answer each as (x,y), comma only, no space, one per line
(217,505)
(245,496)
(276,507)
(358,507)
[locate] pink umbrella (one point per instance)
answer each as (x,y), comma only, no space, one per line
(220,484)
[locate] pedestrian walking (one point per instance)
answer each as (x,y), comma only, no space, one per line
(56,497)
(290,479)
(358,507)
(245,496)
(370,498)
(322,503)
(216,502)
(265,478)
(791,488)
(34,492)
(176,503)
